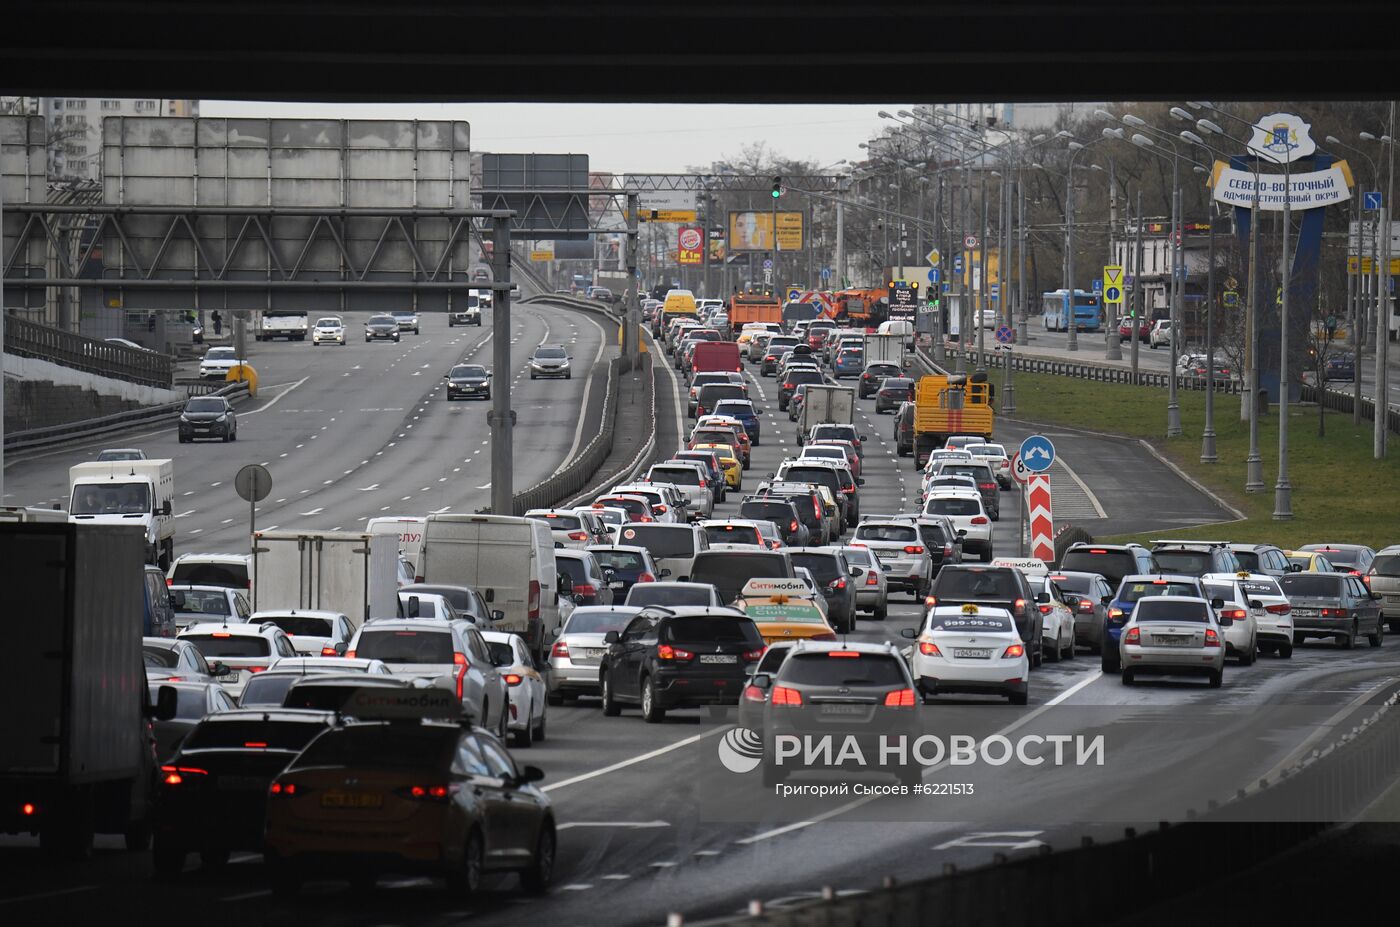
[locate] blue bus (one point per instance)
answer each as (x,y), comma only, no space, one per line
(1088,311)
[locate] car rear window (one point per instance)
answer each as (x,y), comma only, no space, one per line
(200,602)
(1249,559)
(823,669)
(620,559)
(277,735)
(953,506)
(1218,591)
(1338,557)
(728,571)
(1132,592)
(733,534)
(680,476)
(716,391)
(212,646)
(303,624)
(405,646)
(1183,561)
(976,471)
(211,574)
(976,584)
(632,506)
(904,534)
(1171,611)
(588,622)
(701,628)
(381,746)
(779,512)
(1386,565)
(267,689)
(1113,565)
(559,522)
(574,568)
(934,535)
(1306,585)
(665,594)
(804,375)
(822,476)
(824,567)
(661,540)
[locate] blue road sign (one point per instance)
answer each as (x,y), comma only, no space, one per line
(1098,285)
(995,289)
(1005,335)
(794,295)
(767,263)
(1113,294)
(957,264)
(947,288)
(826,273)
(1371,199)
(934,275)
(1037,453)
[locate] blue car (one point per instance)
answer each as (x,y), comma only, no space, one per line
(629,566)
(849,363)
(744,411)
(1133,588)
(1340,367)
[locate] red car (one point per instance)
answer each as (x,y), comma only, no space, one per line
(1125,329)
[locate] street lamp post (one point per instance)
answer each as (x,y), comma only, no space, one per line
(1355,284)
(1283,488)
(1383,308)
(1208,454)
(1112,348)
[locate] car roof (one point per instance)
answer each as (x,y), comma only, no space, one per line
(408,624)
(234,629)
(272,613)
(812,646)
(1169,577)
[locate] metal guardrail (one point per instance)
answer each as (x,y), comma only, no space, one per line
(1344,402)
(1102,373)
(630,469)
(1334,784)
(56,435)
(93,355)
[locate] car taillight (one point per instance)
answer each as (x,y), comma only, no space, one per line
(1238,614)
(178,775)
(900,698)
(1335,613)
(460,659)
(329,652)
(256,669)
(929,649)
(930,601)
(793,527)
(1086,606)
(1133,636)
(350,654)
(1015,650)
(169,581)
(817,506)
(285,790)
(667,652)
(1279,609)
(838,584)
(578,535)
(1020,604)
(560,650)
(913,549)
(461,681)
(1115,612)
(585,589)
(1212,638)
(646,578)
(699,410)
(848,490)
(871,579)
(986,485)
(427,792)
(1046,609)
(532,600)
(659,509)
(753,694)
(752,655)
(782,695)
(513,679)
(979,520)
(694,392)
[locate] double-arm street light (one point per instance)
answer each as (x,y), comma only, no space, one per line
(1383,310)
(1357,282)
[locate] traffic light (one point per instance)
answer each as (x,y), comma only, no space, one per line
(777,187)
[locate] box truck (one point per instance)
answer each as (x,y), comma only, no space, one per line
(79,757)
(885,349)
(351,572)
(408,529)
(127,492)
(824,404)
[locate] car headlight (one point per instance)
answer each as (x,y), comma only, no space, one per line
(184,419)
(222,418)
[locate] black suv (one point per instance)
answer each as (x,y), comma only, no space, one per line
(794,378)
(836,578)
(1194,558)
(728,570)
(874,375)
(1111,561)
(1004,587)
(677,658)
(208,417)
(810,510)
(781,512)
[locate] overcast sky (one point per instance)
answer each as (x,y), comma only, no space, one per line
(620,137)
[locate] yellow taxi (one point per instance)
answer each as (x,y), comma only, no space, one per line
(412,791)
(1309,561)
(783,610)
(729,459)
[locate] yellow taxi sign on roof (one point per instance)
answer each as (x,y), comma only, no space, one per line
(1242,574)
(969,609)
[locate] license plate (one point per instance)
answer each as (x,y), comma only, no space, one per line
(972,653)
(843,709)
(241,782)
(1393,599)
(1166,640)
(591,653)
(351,800)
(1304,613)
(718,658)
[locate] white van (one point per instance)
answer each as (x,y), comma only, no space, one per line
(509,560)
(409,528)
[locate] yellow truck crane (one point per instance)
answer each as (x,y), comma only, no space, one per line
(949,405)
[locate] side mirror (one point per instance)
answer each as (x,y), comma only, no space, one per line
(1226,622)
(665,572)
(1105,599)
(167,700)
(1217,603)
(340,648)
(165,507)
(909,633)
(565,584)
(498,615)
(1376,596)
(531,774)
(578,599)
(761,681)
(962,532)
(860,481)
(1295,568)
(864,437)
(177,599)
(1255,603)
(490,595)
(612,637)
(1042,597)
(217,668)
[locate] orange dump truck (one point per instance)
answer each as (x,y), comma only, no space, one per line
(753,307)
(949,405)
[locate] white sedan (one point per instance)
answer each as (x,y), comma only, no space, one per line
(969,516)
(1269,607)
(217,363)
(1058,620)
(329,330)
(524,684)
(970,648)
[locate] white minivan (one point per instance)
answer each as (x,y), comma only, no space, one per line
(673,547)
(509,560)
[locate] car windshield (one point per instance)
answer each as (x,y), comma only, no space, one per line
(953,505)
(405,646)
(904,534)
(289,736)
(381,746)
(986,622)
(620,559)
(661,540)
(204,602)
(302,624)
(402,313)
(383,320)
(222,644)
(699,628)
(1311,585)
(219,354)
(468,370)
(976,584)
(842,668)
(205,405)
(1172,611)
(585,621)
(328,323)
(668,594)
(1183,561)
(550,352)
(267,689)
(825,568)
(1132,592)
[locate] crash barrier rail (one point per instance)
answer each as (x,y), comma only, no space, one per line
(575,476)
(629,470)
(93,355)
(1103,373)
(1333,784)
(56,435)
(1345,402)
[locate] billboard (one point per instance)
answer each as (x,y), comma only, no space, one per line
(753,231)
(670,205)
(690,245)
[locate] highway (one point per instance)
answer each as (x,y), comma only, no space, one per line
(650,822)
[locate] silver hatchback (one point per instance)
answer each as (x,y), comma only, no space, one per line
(1174,635)
(906,563)
(577,654)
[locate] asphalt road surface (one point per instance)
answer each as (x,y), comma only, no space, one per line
(644,829)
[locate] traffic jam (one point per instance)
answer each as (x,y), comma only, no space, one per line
(388,733)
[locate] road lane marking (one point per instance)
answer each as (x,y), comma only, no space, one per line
(52,894)
(370,488)
(247,896)
(635,825)
(633,761)
(278,398)
(316,511)
(183,514)
(583,404)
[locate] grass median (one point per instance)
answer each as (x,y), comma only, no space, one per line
(1340,492)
